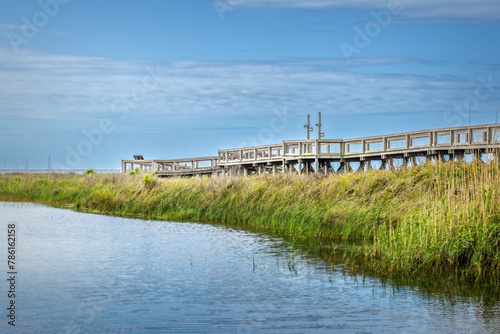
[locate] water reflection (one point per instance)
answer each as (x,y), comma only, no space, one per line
(435,284)
(91,273)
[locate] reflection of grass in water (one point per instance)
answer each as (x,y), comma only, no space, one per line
(293,257)
(443,284)
(427,217)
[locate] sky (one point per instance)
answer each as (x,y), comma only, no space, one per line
(87,83)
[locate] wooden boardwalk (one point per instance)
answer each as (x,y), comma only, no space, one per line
(336,155)
(175,167)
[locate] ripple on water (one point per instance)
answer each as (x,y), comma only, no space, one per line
(94,273)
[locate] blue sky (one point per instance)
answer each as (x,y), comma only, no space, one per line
(93,82)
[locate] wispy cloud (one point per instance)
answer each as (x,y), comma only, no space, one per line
(37,85)
(476,10)
(6,28)
(355,62)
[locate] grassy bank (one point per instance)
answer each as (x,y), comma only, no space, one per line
(443,215)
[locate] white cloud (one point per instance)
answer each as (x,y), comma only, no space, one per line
(37,85)
(6,28)
(476,10)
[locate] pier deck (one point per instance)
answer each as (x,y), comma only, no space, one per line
(335,155)
(175,167)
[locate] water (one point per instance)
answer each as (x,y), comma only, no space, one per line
(85,273)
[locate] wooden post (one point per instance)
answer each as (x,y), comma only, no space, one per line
(405,162)
(391,163)
(369,166)
(308,127)
(383,165)
(320,134)
(329,168)
(341,167)
(348,167)
(361,166)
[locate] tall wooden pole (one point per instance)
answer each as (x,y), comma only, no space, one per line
(308,126)
(320,134)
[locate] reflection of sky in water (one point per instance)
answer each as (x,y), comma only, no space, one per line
(107,274)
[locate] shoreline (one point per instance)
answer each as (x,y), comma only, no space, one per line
(444,215)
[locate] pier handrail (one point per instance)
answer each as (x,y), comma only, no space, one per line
(398,142)
(404,144)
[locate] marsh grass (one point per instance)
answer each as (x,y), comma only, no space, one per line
(443,215)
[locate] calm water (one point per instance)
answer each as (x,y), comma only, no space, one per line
(84,273)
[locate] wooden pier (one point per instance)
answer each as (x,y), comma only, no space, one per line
(175,167)
(336,155)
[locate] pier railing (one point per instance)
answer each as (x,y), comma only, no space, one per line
(455,141)
(190,166)
(470,137)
